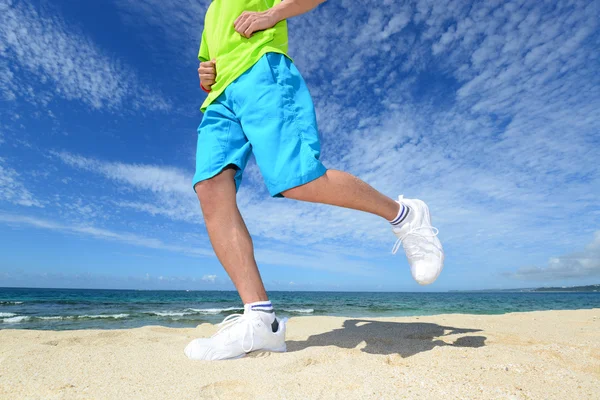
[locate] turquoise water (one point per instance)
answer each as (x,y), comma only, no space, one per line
(61,309)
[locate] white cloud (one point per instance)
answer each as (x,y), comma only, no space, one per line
(104,234)
(35,44)
(582,264)
(158,179)
(170,188)
(274,255)
(209,278)
(13,190)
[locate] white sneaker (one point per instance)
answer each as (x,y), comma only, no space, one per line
(419,239)
(239,334)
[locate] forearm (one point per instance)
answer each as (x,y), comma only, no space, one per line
(291,8)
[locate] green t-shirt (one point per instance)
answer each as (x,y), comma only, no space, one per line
(234,53)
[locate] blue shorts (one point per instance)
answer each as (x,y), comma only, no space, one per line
(268,111)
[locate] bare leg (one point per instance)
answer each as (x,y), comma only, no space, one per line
(344,190)
(229,236)
(232,242)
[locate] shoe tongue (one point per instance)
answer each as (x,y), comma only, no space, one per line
(406,225)
(249,311)
(403,229)
(267,317)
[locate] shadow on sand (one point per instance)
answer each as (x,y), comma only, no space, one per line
(404,338)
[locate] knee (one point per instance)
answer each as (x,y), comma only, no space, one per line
(203,190)
(213,192)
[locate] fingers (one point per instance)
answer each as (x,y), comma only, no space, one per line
(207,77)
(250,30)
(243,16)
(207,83)
(207,73)
(250,22)
(207,70)
(207,67)
(207,64)
(243,23)
(243,27)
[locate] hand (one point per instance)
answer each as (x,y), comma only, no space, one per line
(249,22)
(207,72)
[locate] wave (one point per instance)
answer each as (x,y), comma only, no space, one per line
(168,313)
(15,320)
(192,311)
(6,314)
(213,311)
(114,316)
(10,303)
(65,317)
(300,310)
(58,317)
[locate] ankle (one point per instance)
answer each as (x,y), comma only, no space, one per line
(264,310)
(262,306)
(401,215)
(393,211)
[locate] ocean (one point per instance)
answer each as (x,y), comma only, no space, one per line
(63,309)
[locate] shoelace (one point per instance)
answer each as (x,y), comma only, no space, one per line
(232,320)
(413,246)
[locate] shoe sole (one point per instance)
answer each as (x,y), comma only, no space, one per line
(278,350)
(424,208)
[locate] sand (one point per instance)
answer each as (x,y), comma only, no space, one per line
(536,355)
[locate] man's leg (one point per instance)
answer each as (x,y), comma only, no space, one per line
(229,236)
(257,328)
(344,190)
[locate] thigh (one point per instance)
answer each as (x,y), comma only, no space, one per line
(221,143)
(278,117)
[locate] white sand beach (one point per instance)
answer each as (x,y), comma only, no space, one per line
(535,355)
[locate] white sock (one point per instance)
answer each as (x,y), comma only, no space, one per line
(264,310)
(401,217)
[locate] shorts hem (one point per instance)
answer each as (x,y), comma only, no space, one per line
(275,190)
(205,177)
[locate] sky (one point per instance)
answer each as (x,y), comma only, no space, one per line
(489,111)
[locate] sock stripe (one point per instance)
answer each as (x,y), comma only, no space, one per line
(261,306)
(401,215)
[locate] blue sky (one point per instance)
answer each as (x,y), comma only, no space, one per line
(489,111)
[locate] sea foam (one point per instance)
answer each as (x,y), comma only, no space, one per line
(214,310)
(115,316)
(169,313)
(15,320)
(300,310)
(10,303)
(6,314)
